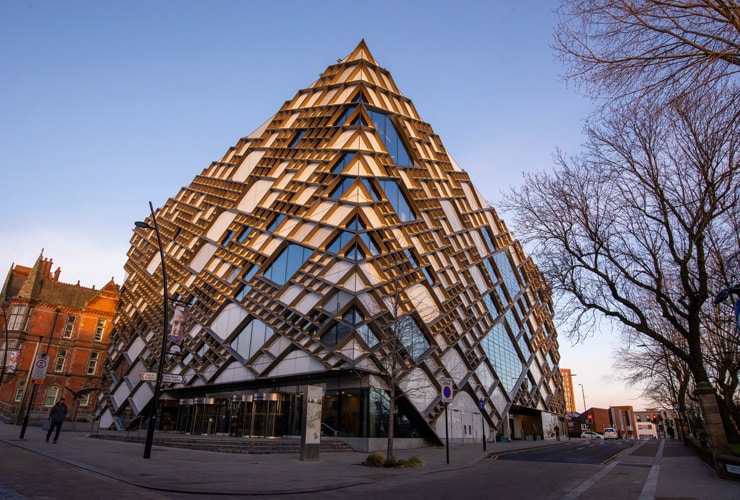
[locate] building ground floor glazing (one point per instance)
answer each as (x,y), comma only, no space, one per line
(349,409)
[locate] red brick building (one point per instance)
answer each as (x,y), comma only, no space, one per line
(69,323)
(621,418)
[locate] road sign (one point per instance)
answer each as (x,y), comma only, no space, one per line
(447,392)
(40,365)
(167,378)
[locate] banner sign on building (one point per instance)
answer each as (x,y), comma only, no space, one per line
(12,363)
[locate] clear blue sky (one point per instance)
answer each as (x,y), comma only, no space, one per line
(107,105)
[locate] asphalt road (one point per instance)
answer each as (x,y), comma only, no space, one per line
(578,451)
(544,473)
(29,475)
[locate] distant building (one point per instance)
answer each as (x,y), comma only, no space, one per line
(338,246)
(620,418)
(661,421)
(570,401)
(646,430)
(68,323)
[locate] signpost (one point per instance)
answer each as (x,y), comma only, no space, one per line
(38,375)
(482,407)
(167,378)
(40,365)
(447,397)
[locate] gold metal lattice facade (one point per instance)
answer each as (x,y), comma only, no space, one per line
(300,252)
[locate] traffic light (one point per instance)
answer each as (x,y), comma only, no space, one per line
(590,419)
(655,418)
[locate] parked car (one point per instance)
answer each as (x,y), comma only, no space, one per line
(610,433)
(591,435)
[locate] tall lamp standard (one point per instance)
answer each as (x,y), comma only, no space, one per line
(5,355)
(583,393)
(163,350)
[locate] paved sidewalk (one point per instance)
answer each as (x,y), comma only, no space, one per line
(678,474)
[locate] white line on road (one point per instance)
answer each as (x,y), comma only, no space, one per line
(651,483)
(584,486)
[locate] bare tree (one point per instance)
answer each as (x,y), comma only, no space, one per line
(402,340)
(665,379)
(649,47)
(628,229)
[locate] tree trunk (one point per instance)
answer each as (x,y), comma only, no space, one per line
(391,422)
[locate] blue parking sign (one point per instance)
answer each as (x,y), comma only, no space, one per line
(737,314)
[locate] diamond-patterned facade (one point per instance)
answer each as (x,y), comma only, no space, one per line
(301,256)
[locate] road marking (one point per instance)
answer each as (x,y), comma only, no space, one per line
(588,483)
(584,486)
(651,483)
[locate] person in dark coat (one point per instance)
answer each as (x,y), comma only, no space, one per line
(56,416)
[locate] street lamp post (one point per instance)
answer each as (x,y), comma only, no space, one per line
(5,355)
(163,350)
(482,407)
(583,393)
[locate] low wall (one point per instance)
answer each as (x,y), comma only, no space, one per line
(726,466)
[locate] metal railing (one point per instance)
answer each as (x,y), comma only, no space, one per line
(334,432)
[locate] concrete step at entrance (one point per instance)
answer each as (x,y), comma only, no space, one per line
(224,444)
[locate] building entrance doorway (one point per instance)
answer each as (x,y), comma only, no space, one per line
(251,415)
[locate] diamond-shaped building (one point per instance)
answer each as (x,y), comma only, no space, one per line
(340,246)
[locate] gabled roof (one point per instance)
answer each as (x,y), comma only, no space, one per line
(37,284)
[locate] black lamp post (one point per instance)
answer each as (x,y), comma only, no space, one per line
(5,355)
(482,408)
(163,351)
(583,393)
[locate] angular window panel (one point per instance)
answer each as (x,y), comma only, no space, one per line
(275,223)
(491,270)
(508,274)
(251,338)
(243,235)
(342,163)
(287,263)
(488,239)
(227,238)
(398,200)
(429,275)
(353,316)
(412,258)
(297,138)
(490,302)
(341,188)
(504,358)
(389,135)
(355,253)
(367,335)
(335,334)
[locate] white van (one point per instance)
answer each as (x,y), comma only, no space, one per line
(610,433)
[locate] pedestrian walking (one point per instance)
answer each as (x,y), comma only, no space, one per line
(56,418)
(557,433)
(671,432)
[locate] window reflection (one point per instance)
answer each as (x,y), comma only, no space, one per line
(287,263)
